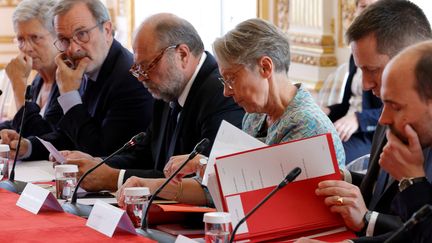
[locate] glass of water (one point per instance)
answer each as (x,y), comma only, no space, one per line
(217,227)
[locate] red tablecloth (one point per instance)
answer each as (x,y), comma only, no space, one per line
(19,225)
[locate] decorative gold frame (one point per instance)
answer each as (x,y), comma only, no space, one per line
(346,11)
(9,3)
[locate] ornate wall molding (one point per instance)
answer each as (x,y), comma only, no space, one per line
(346,14)
(6,39)
(9,3)
(321,61)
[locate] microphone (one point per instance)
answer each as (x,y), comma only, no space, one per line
(289,178)
(12,185)
(418,217)
(84,210)
(157,235)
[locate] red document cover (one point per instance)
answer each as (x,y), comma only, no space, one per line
(295,210)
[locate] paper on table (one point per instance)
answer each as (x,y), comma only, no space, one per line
(267,167)
(229,139)
(34,171)
(53,151)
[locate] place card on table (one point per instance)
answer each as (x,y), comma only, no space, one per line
(35,199)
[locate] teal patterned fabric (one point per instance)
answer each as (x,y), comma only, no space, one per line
(303,118)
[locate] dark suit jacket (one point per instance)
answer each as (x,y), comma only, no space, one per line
(34,123)
(387,219)
(115,107)
(202,113)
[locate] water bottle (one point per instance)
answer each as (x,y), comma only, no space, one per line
(136,200)
(217,227)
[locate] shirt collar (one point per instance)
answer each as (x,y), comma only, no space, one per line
(182,99)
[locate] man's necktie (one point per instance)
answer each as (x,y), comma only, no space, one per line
(170,134)
(380,186)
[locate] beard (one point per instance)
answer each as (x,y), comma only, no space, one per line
(171,85)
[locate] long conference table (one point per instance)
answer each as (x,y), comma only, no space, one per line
(20,225)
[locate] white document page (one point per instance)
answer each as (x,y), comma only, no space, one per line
(34,171)
(267,167)
(53,151)
(229,139)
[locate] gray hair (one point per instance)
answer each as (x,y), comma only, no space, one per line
(396,24)
(34,9)
(249,41)
(175,30)
(96,7)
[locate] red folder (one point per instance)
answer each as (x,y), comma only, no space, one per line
(292,212)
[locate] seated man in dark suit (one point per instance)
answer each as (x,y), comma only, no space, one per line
(171,62)
(376,35)
(407,157)
(103,105)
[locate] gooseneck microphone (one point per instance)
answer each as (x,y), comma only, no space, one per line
(84,210)
(418,217)
(156,234)
(12,185)
(289,178)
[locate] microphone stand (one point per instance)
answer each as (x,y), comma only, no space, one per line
(84,210)
(289,178)
(157,235)
(421,215)
(10,184)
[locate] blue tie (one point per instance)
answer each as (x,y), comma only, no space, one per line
(379,188)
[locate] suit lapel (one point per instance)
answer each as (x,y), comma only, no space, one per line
(161,135)
(378,143)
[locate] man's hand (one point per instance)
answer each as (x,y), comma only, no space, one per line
(176,161)
(347,126)
(10,137)
(69,79)
(134,181)
(103,178)
(351,207)
(402,160)
(18,71)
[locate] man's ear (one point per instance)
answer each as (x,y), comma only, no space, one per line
(185,54)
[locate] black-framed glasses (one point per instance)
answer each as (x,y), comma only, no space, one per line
(80,37)
(35,39)
(137,71)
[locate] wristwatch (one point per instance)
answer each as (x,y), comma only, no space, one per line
(404,183)
(366,219)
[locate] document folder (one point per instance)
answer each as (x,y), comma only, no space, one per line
(245,178)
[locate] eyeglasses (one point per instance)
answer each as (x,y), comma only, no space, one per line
(34,39)
(137,71)
(230,81)
(80,37)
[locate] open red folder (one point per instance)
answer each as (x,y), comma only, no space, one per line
(246,178)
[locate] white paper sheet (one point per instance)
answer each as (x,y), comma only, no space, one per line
(34,171)
(53,151)
(229,139)
(267,167)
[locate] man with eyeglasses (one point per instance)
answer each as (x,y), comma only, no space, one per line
(103,104)
(171,62)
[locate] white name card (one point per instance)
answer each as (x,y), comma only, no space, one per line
(35,199)
(106,219)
